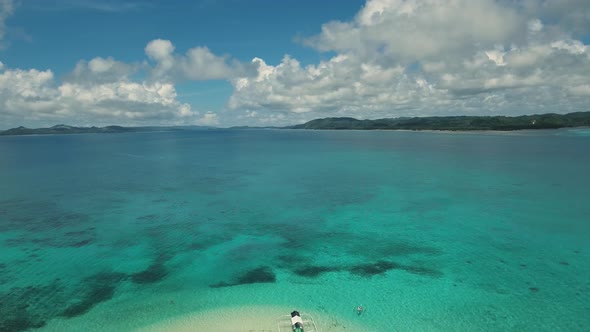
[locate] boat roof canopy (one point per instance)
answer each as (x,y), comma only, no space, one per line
(296,319)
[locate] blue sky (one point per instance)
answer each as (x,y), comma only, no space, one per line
(231,62)
(56,34)
(72,30)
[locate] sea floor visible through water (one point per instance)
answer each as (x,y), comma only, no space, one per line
(227,230)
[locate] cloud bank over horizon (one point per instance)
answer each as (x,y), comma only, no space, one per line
(420,58)
(394,58)
(103,90)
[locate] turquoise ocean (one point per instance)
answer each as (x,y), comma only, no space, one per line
(428,231)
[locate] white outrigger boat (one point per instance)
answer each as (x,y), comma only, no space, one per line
(297,323)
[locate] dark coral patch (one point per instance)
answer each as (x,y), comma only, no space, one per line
(97,288)
(107,278)
(154,273)
(85,232)
(157,271)
(80,243)
(149,217)
(369,270)
(380,267)
(293,241)
(263,274)
(197,246)
(314,271)
(18,215)
(421,270)
(533,289)
(92,298)
(20,323)
(17,242)
(25,308)
(42,231)
(62,219)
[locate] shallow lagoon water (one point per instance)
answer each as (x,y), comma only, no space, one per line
(428,231)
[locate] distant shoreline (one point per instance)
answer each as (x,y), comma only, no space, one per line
(433,124)
(70,130)
(455,123)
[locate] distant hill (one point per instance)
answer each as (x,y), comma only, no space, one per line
(540,121)
(65,129)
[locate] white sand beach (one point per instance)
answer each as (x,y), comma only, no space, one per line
(250,318)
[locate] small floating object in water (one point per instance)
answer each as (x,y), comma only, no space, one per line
(359,310)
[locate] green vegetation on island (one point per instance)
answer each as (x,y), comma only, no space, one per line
(65,129)
(454,123)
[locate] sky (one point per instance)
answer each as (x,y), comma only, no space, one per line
(281,62)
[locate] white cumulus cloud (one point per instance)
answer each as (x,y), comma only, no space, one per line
(101,70)
(34,96)
(105,91)
(410,30)
(428,57)
(199,63)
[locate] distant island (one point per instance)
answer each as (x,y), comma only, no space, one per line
(448,123)
(455,123)
(65,129)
